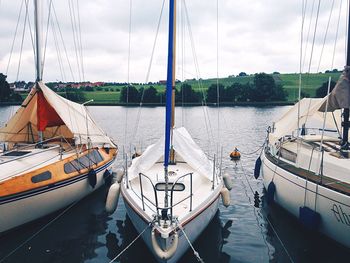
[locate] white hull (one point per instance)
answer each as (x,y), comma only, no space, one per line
(193,228)
(23,209)
(333,206)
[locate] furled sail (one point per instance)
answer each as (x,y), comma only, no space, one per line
(186,149)
(339,98)
(44,110)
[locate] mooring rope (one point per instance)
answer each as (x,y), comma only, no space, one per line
(189,242)
(265,217)
(132,242)
(38,232)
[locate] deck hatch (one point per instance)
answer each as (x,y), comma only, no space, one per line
(16,153)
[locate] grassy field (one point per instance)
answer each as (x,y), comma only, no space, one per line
(290,82)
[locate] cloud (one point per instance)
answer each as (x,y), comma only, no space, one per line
(254,36)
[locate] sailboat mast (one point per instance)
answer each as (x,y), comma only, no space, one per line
(170,82)
(346,123)
(172,152)
(169,91)
(37,18)
(38,65)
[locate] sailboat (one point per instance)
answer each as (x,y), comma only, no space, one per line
(172,190)
(306,165)
(54,153)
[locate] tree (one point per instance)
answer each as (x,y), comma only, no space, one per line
(5,91)
(150,95)
(265,89)
(322,91)
(88,88)
(187,94)
(74,94)
(236,92)
(212,93)
(242,74)
(130,94)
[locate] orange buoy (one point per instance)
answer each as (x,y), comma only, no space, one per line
(235,155)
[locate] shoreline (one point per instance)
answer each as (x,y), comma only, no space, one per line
(223,104)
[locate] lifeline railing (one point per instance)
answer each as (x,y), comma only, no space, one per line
(158,208)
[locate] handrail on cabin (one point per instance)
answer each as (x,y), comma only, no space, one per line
(158,208)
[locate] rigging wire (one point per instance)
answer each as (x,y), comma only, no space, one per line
(73,25)
(22,40)
(46,37)
(336,35)
(314,36)
(303,11)
(128,78)
(39,231)
(80,42)
(58,51)
(138,116)
(14,37)
(266,218)
(308,31)
(325,36)
(63,43)
(199,82)
(311,55)
(217,78)
(31,35)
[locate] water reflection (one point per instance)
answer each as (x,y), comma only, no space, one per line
(240,233)
(209,244)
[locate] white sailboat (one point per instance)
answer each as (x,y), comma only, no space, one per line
(54,154)
(171,192)
(306,165)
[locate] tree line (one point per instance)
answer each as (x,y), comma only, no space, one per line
(262,89)
(7,94)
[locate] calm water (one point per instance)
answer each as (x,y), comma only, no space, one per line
(247,231)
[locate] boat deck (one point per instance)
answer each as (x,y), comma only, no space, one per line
(201,189)
(325,181)
(14,163)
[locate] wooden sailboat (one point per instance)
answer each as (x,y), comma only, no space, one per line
(55,154)
(306,169)
(171,192)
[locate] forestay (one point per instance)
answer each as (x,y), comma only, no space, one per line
(75,122)
(186,149)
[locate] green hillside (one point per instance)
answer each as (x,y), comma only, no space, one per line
(290,82)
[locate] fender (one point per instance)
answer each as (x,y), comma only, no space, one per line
(159,251)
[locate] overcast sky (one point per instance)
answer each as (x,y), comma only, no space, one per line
(254,36)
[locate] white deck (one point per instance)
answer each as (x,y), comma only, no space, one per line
(15,165)
(201,189)
(333,167)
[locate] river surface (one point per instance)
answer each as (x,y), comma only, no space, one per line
(247,231)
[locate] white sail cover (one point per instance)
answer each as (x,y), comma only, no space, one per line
(310,116)
(77,123)
(184,147)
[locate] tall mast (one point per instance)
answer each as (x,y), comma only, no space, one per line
(172,152)
(37,18)
(346,124)
(169,91)
(38,66)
